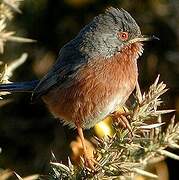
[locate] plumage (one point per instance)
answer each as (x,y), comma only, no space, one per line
(19,86)
(94,73)
(98,38)
(97,92)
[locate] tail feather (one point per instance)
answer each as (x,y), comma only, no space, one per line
(19,86)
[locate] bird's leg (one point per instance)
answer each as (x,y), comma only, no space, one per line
(89,161)
(121,118)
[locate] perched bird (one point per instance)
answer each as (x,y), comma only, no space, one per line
(94,73)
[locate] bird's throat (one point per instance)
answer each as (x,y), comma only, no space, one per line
(132,51)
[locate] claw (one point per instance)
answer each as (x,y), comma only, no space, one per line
(89,163)
(121,118)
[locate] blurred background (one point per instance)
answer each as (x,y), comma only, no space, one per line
(28,132)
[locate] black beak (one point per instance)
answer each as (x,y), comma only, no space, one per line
(148,38)
(143,38)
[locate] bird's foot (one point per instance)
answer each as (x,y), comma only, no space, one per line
(90,162)
(121,119)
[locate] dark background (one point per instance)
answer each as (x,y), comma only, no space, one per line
(28,133)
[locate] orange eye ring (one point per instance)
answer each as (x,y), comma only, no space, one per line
(123,36)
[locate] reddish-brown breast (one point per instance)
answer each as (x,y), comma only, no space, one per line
(99,87)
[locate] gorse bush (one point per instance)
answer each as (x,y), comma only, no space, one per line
(124,156)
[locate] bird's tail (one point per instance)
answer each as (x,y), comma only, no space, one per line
(19,86)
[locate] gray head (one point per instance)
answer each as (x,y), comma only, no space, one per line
(109,33)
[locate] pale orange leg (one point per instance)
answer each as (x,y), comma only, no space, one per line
(89,161)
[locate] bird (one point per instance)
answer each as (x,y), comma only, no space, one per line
(94,74)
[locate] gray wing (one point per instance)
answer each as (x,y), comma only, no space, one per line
(70,59)
(72,56)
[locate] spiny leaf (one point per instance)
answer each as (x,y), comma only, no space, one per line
(145,173)
(168,154)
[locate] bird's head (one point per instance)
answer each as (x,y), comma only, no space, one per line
(110,33)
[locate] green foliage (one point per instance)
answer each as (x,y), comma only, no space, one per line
(7,11)
(123,156)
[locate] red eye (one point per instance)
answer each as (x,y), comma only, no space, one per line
(123,36)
